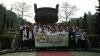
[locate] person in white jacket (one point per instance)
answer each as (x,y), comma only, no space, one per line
(24,34)
(24,38)
(30,40)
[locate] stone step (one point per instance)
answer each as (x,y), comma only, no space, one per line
(3,51)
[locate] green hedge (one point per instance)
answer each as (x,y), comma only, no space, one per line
(6,39)
(1,31)
(94,38)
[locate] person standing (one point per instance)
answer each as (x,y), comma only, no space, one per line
(80,39)
(21,36)
(30,38)
(71,38)
(24,36)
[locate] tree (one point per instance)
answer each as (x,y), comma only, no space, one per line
(21,8)
(4,21)
(11,19)
(68,10)
(73,21)
(91,20)
(88,21)
(84,23)
(8,19)
(77,22)
(2,16)
(97,29)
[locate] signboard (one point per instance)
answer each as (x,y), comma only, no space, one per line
(42,40)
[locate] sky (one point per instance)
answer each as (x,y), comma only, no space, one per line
(82,6)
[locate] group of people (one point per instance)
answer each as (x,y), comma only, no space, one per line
(27,33)
(50,29)
(77,38)
(26,37)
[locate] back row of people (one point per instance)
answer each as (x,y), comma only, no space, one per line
(27,32)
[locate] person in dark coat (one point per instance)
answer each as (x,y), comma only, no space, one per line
(71,38)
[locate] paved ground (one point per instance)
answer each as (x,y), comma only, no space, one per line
(54,53)
(85,53)
(20,54)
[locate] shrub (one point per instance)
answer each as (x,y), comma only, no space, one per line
(1,31)
(6,39)
(94,38)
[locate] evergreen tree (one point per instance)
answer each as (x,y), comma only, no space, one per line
(84,23)
(2,16)
(77,22)
(4,21)
(8,19)
(91,20)
(98,20)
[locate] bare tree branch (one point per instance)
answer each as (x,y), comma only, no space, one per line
(68,9)
(21,8)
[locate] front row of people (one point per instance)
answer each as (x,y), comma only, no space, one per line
(76,38)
